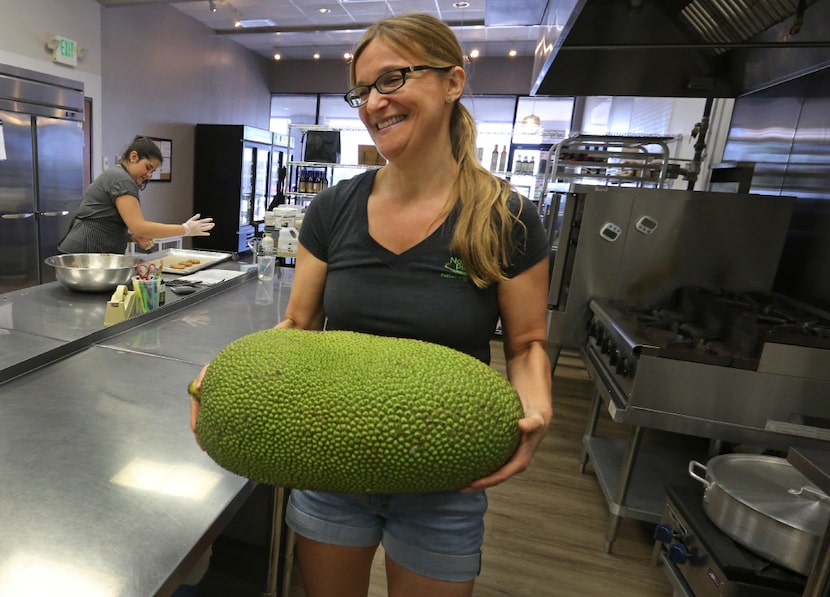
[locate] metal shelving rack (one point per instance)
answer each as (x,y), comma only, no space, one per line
(294,166)
(609,160)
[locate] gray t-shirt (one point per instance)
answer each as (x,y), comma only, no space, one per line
(98,227)
(423,293)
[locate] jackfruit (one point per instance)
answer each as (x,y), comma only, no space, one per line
(355,413)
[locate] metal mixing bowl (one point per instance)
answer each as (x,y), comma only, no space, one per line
(93,272)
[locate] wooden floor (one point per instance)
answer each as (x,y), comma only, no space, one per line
(545,529)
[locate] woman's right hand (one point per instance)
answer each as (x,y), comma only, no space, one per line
(196,404)
(198,227)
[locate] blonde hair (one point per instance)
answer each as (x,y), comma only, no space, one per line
(483,233)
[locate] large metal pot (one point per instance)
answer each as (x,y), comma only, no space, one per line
(766,505)
(93,272)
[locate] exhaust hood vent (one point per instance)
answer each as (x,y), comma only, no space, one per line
(678,48)
(731,22)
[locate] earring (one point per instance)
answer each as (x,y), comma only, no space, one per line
(449,99)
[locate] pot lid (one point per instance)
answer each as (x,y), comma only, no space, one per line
(773,487)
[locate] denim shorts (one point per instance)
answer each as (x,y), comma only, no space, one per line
(438,535)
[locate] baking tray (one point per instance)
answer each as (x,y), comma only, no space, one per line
(179,256)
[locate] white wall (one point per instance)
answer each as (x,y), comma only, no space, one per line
(164,72)
(149,70)
(25,27)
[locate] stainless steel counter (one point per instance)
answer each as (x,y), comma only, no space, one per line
(103,491)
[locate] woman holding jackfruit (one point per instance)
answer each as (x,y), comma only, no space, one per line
(433,247)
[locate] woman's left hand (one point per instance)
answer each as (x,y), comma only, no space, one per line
(533,428)
(144,242)
(196,404)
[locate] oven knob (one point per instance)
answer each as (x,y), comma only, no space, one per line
(663,533)
(678,554)
(624,367)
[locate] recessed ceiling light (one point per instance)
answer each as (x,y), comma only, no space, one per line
(255,23)
(316,56)
(347,56)
(512,53)
(324,11)
(461,4)
(473,53)
(277,56)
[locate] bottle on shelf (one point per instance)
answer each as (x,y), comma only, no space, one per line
(494,159)
(503,159)
(288,240)
(267,244)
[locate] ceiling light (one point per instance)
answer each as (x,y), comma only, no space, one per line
(212,5)
(277,57)
(473,53)
(512,53)
(531,124)
(236,21)
(347,56)
(316,56)
(248,23)
(461,4)
(324,11)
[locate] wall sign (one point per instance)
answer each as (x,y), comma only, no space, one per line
(64,51)
(164,172)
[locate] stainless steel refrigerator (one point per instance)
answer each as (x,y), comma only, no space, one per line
(41,171)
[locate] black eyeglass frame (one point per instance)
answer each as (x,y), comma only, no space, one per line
(351,95)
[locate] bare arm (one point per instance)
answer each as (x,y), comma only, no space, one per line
(523,305)
(130,211)
(305,305)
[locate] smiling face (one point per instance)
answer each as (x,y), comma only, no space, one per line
(414,118)
(140,169)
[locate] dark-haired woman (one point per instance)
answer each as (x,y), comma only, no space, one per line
(110,213)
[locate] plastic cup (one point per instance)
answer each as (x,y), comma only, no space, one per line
(265,267)
(148,292)
(264,293)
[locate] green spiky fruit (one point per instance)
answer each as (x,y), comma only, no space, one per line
(355,413)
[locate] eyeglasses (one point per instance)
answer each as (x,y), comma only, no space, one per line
(386,83)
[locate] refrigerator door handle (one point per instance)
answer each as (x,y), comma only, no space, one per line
(53,214)
(22,216)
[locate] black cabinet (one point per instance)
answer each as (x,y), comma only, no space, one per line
(236,179)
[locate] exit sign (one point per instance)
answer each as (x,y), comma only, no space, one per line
(64,51)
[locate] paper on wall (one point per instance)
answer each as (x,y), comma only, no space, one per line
(2,143)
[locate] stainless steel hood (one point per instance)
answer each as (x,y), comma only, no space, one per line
(678,48)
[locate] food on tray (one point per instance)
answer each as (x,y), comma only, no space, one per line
(184,264)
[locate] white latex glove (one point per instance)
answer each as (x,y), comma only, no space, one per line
(198,227)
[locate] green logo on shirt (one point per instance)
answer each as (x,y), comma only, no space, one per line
(455,269)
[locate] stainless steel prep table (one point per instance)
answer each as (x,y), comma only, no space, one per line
(103,491)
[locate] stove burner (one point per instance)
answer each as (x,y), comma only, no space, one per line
(728,328)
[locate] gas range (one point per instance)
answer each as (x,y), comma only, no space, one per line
(742,367)
(700,560)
